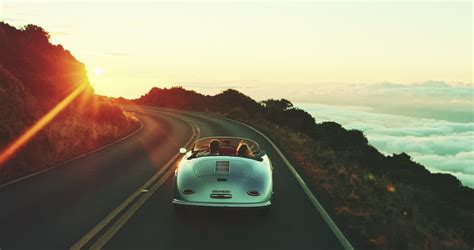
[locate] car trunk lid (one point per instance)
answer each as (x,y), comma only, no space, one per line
(222,168)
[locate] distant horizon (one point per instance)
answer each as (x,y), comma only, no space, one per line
(215,88)
(450,102)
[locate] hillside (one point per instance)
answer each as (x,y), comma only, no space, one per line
(381,202)
(34,77)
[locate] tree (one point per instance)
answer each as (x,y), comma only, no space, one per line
(36,32)
(282,104)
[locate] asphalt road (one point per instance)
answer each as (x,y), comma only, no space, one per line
(58,208)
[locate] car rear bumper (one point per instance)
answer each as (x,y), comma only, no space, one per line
(213,204)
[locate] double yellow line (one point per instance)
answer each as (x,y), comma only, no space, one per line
(140,197)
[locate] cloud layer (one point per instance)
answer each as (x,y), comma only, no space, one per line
(429,99)
(441,146)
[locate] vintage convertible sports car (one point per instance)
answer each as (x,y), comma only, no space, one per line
(221,172)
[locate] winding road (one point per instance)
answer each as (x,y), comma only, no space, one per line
(120,198)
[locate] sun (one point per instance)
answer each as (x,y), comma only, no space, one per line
(98,71)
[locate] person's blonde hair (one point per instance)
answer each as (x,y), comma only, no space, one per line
(244,145)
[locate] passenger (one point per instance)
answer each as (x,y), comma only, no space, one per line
(244,151)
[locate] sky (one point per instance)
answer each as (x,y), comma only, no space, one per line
(130,46)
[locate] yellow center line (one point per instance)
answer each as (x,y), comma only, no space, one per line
(102,224)
(130,212)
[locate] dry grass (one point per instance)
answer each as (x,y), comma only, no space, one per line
(72,133)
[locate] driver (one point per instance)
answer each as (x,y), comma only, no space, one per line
(214,148)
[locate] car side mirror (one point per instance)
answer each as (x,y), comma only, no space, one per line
(183,150)
(260,153)
(258,156)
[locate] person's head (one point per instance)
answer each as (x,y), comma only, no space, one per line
(243,150)
(214,146)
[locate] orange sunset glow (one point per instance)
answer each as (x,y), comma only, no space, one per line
(26,136)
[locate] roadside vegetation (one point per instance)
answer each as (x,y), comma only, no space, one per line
(380,202)
(34,77)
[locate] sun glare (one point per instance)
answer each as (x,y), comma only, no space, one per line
(24,138)
(98,71)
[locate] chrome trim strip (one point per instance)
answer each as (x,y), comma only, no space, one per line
(209,204)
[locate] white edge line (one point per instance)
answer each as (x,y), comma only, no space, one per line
(334,228)
(74,158)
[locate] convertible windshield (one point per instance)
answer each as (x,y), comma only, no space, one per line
(226,146)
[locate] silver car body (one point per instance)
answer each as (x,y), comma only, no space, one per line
(224,180)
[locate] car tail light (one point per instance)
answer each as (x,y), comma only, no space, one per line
(253,193)
(188,191)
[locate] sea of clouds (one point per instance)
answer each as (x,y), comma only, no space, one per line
(439,145)
(437,100)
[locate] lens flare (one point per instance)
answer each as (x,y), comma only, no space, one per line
(390,188)
(29,133)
